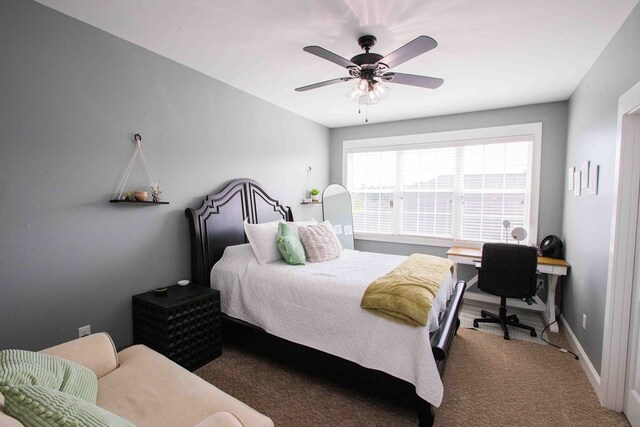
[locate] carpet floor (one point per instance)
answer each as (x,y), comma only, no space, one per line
(471,310)
(488,382)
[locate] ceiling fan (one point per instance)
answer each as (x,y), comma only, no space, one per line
(372,69)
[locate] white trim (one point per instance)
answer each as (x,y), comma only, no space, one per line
(448,137)
(621,255)
(586,364)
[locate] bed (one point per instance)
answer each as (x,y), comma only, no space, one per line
(317,305)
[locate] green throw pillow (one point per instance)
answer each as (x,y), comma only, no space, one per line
(22,367)
(38,406)
(290,245)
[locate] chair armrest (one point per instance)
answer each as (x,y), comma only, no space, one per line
(97,352)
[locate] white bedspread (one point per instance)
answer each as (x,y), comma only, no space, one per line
(318,305)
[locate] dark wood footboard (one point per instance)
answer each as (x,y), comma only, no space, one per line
(440,342)
(449,323)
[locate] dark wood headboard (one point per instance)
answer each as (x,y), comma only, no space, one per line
(218,223)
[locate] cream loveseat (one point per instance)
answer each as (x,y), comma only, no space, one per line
(148,389)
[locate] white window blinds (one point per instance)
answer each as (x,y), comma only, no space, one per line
(460,190)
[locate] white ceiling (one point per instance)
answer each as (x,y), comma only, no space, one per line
(491,53)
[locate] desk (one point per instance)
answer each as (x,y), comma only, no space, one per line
(553,268)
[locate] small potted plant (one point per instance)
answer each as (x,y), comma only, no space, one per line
(314,195)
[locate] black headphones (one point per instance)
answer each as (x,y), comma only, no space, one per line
(551,246)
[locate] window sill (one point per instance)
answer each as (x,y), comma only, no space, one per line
(417,240)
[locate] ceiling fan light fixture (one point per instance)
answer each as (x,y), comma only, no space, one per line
(382,90)
(368,92)
(360,89)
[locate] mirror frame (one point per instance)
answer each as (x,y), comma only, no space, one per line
(353,242)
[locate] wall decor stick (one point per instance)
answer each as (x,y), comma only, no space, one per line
(594,174)
(585,174)
(570,178)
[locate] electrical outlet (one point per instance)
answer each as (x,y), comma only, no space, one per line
(84,331)
(584,321)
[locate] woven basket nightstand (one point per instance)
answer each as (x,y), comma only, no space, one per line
(183,324)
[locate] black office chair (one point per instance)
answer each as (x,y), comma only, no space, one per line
(508,271)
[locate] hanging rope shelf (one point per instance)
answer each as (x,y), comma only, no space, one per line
(140,197)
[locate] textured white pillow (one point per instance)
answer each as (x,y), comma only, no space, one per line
(262,238)
(320,242)
(297,224)
(328,224)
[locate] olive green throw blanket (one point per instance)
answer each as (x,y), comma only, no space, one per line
(407,292)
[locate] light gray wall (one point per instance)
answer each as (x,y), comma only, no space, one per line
(587,219)
(72,96)
(554,132)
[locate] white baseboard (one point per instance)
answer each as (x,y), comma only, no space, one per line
(587,366)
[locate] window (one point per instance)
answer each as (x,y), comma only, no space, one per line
(442,187)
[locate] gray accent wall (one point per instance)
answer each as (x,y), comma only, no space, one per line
(72,97)
(554,132)
(592,130)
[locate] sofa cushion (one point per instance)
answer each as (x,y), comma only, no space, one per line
(150,390)
(43,407)
(22,367)
(96,351)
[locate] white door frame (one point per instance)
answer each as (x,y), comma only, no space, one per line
(621,255)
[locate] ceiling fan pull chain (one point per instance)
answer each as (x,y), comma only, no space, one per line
(366,113)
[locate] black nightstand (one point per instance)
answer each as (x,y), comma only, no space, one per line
(183,324)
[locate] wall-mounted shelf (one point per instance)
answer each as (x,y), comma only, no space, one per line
(140,202)
(153,181)
(311,203)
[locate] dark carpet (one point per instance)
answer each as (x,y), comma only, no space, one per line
(488,382)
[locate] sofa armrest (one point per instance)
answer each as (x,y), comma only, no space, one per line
(97,352)
(220,419)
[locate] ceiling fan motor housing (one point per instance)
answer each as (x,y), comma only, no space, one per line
(366,43)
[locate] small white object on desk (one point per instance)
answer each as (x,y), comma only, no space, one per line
(183,282)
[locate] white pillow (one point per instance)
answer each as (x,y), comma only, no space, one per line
(262,238)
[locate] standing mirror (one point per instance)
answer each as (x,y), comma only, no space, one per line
(336,208)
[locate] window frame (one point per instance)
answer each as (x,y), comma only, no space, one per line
(532,131)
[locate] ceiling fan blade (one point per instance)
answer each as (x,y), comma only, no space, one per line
(330,56)
(325,83)
(413,80)
(415,47)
